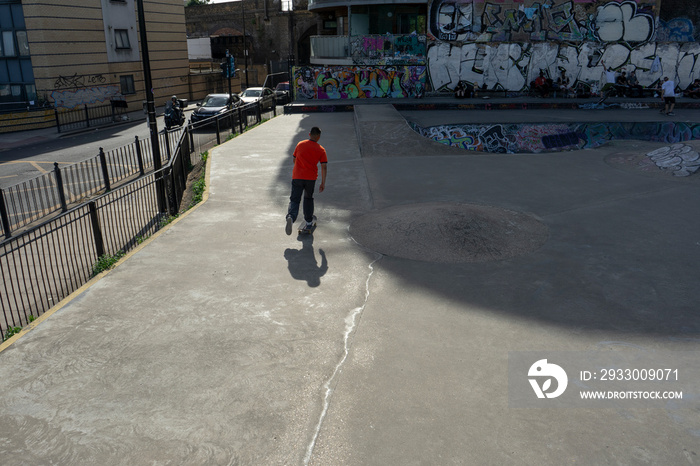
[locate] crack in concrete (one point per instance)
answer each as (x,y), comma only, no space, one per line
(351,323)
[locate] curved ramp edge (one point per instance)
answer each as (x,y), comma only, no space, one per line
(383,132)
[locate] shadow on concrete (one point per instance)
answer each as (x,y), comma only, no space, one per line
(302,262)
(621,255)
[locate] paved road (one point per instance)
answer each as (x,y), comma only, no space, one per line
(224,341)
(45,147)
(26,155)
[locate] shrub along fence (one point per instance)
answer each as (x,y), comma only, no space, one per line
(44,264)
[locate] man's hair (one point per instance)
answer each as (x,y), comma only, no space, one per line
(315,131)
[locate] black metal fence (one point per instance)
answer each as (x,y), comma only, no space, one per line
(33,200)
(44,264)
(86,117)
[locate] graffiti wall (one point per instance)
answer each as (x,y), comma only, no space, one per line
(548,20)
(382,50)
(679,20)
(505,44)
(513,66)
(71,91)
(357,82)
(71,98)
(534,138)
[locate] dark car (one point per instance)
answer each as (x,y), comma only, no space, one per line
(213,105)
(282,92)
(264,95)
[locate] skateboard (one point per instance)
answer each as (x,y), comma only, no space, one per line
(307,231)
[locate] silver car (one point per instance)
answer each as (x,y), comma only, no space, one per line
(264,95)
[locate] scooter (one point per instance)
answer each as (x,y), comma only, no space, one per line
(174,116)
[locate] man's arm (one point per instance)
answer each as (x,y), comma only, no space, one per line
(324,171)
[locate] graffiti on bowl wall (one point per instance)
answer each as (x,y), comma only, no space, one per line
(547,137)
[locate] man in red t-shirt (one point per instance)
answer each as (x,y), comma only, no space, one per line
(307,155)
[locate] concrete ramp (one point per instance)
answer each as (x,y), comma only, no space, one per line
(383,132)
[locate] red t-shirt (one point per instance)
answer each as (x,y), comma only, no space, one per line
(308,154)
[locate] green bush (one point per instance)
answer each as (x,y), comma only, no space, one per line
(106,262)
(11,332)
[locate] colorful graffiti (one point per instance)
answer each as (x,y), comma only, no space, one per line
(88,95)
(532,20)
(512,66)
(676,30)
(359,82)
(535,138)
(382,50)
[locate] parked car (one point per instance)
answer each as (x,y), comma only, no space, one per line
(282,92)
(264,95)
(214,104)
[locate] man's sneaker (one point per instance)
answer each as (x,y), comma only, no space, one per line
(288,228)
(670,114)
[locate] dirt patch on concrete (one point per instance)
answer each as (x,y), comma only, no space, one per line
(449,233)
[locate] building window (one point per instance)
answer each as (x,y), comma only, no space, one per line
(121,38)
(22,43)
(127,84)
(8,44)
(17,88)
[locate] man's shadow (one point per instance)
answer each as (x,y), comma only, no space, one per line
(302,262)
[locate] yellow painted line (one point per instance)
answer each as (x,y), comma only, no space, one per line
(65,301)
(38,167)
(9,176)
(36,161)
(34,214)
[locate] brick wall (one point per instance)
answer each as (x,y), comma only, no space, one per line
(68,45)
(267,29)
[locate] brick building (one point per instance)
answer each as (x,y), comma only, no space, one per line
(267,30)
(68,54)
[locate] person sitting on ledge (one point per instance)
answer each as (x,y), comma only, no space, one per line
(621,84)
(634,86)
(540,85)
(563,84)
(693,90)
(460,90)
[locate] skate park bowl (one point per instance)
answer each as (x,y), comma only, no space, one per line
(678,159)
(539,137)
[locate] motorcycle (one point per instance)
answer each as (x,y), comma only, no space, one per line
(174,116)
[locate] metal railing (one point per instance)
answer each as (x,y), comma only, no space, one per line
(87,117)
(42,265)
(30,201)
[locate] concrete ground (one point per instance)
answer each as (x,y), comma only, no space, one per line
(224,341)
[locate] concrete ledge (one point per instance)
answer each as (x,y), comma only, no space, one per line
(504,103)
